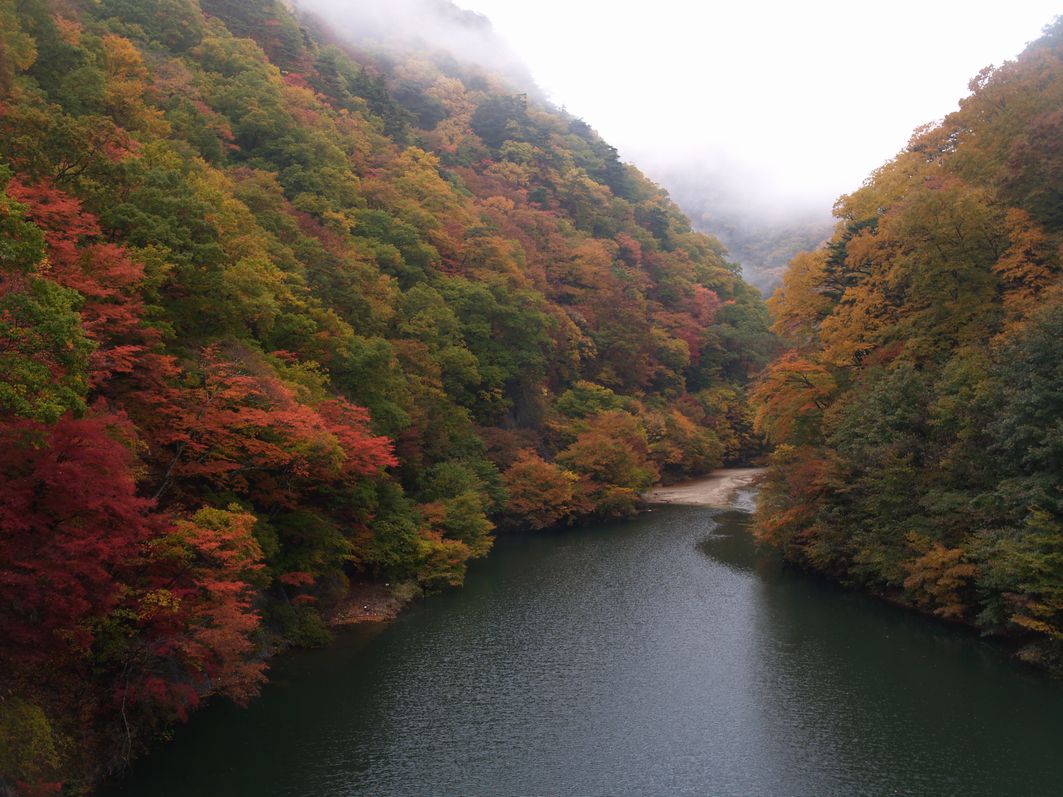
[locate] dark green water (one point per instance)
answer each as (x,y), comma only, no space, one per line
(657,657)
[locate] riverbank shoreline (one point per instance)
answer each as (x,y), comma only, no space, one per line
(372,602)
(715,490)
(376,602)
(673,620)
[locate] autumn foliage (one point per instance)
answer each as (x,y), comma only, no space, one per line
(917,414)
(71,528)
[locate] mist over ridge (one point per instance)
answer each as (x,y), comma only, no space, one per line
(758,118)
(760,229)
(431,27)
(762,212)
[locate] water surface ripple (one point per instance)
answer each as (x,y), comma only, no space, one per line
(658,657)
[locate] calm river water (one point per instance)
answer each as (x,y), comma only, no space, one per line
(662,656)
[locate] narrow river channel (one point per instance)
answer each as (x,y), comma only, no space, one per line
(662,656)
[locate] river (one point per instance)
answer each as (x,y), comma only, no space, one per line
(662,656)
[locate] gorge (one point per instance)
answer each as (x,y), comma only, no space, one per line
(297,307)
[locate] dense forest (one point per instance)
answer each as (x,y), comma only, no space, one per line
(918,414)
(281,311)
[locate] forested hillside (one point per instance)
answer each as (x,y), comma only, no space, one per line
(277,313)
(918,416)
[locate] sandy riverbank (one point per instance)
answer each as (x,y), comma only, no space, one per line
(716,489)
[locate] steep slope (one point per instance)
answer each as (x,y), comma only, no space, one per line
(277,312)
(918,416)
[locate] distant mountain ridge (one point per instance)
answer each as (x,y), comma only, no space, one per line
(758,236)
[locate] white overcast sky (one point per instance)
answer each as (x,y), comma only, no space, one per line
(798,100)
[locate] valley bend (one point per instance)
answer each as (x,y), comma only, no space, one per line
(371,423)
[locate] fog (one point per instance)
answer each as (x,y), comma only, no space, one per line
(756,117)
(785,105)
(432,25)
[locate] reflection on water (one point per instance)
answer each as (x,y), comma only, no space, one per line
(661,656)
